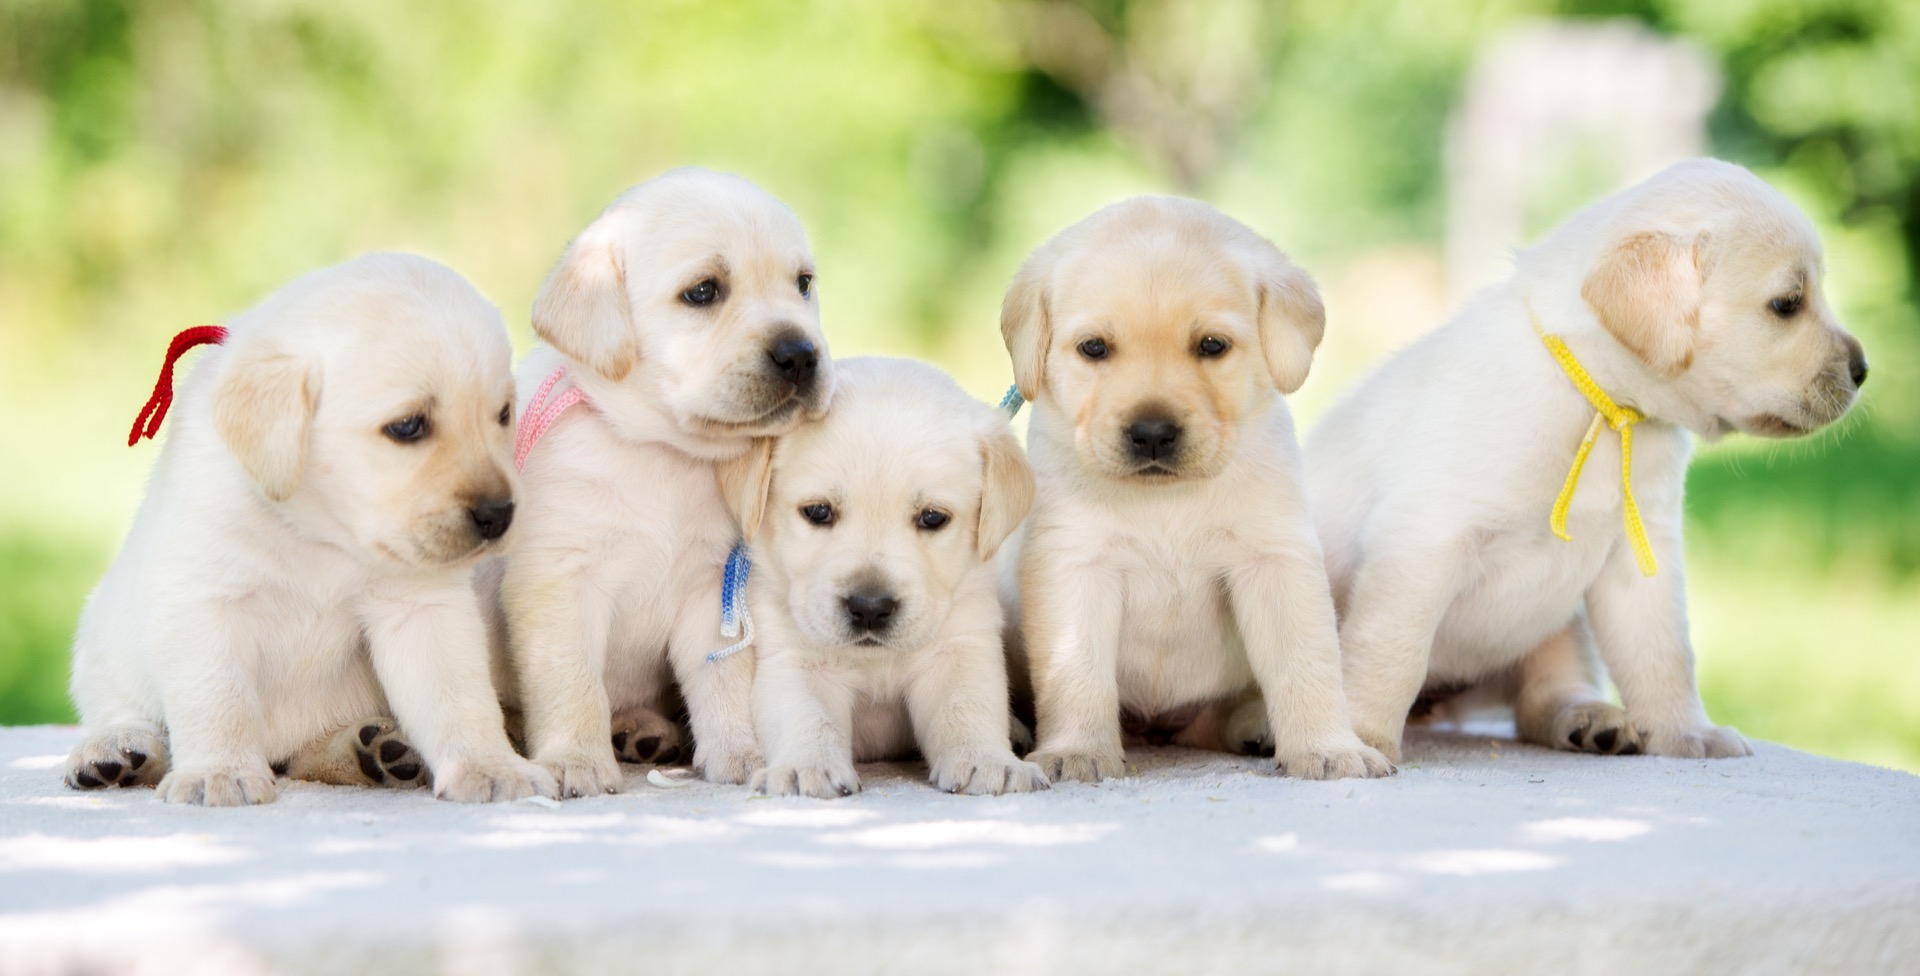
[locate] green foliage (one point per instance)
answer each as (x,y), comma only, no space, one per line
(42,584)
(165,164)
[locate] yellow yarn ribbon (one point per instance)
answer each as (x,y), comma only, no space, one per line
(1609,414)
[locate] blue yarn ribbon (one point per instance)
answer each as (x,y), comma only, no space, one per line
(1013,401)
(734,619)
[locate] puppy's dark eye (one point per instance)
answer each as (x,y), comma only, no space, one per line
(408,430)
(1786,306)
(704,293)
(933,520)
(506,415)
(819,513)
(805,282)
(1211,346)
(1093,348)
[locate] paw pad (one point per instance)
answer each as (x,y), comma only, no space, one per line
(117,758)
(647,744)
(385,759)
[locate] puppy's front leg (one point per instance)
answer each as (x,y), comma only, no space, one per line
(1386,640)
(1640,623)
(806,727)
(958,704)
(1072,630)
(557,637)
(719,694)
(212,703)
(429,648)
(1284,608)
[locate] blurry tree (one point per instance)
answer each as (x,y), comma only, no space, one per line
(1178,81)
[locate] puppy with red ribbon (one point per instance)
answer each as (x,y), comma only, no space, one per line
(294,597)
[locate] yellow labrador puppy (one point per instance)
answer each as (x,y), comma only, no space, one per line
(300,568)
(873,587)
(1690,305)
(1170,570)
(684,323)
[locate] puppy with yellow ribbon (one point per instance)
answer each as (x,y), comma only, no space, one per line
(1500,503)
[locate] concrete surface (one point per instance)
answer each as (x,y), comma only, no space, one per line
(1482,856)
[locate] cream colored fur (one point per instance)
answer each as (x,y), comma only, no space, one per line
(294,572)
(611,590)
(903,444)
(1176,590)
(1433,479)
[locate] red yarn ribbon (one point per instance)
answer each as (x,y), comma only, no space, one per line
(148,423)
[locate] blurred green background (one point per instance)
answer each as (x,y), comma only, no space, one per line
(165,163)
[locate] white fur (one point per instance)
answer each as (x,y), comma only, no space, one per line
(902,440)
(292,571)
(1432,481)
(1173,597)
(614,576)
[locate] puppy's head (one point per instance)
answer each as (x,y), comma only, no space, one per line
(1157,327)
(1712,280)
(698,287)
(867,521)
(372,402)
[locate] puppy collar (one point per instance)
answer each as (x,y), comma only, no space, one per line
(1013,401)
(541,414)
(1609,414)
(147,423)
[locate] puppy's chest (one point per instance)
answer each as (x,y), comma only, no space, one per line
(1524,583)
(1177,639)
(306,625)
(644,511)
(882,728)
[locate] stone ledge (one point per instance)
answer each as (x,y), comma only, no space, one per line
(1482,856)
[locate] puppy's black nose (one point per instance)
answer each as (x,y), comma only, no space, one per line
(870,610)
(1857,368)
(491,517)
(795,357)
(1153,438)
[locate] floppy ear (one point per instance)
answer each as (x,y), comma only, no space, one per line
(1024,323)
(1006,494)
(261,409)
(1646,291)
(1292,318)
(583,309)
(744,482)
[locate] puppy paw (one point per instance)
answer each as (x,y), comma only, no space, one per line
(987,775)
(495,780)
(1019,736)
(823,778)
(1087,767)
(219,787)
(1384,741)
(1349,760)
(1247,730)
(583,774)
(642,735)
(386,759)
(1596,726)
(727,765)
(120,756)
(1704,742)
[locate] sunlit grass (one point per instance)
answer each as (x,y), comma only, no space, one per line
(1824,662)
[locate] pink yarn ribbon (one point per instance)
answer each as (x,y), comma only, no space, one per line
(541,414)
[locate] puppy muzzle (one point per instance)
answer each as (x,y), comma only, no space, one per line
(1153,445)
(870,612)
